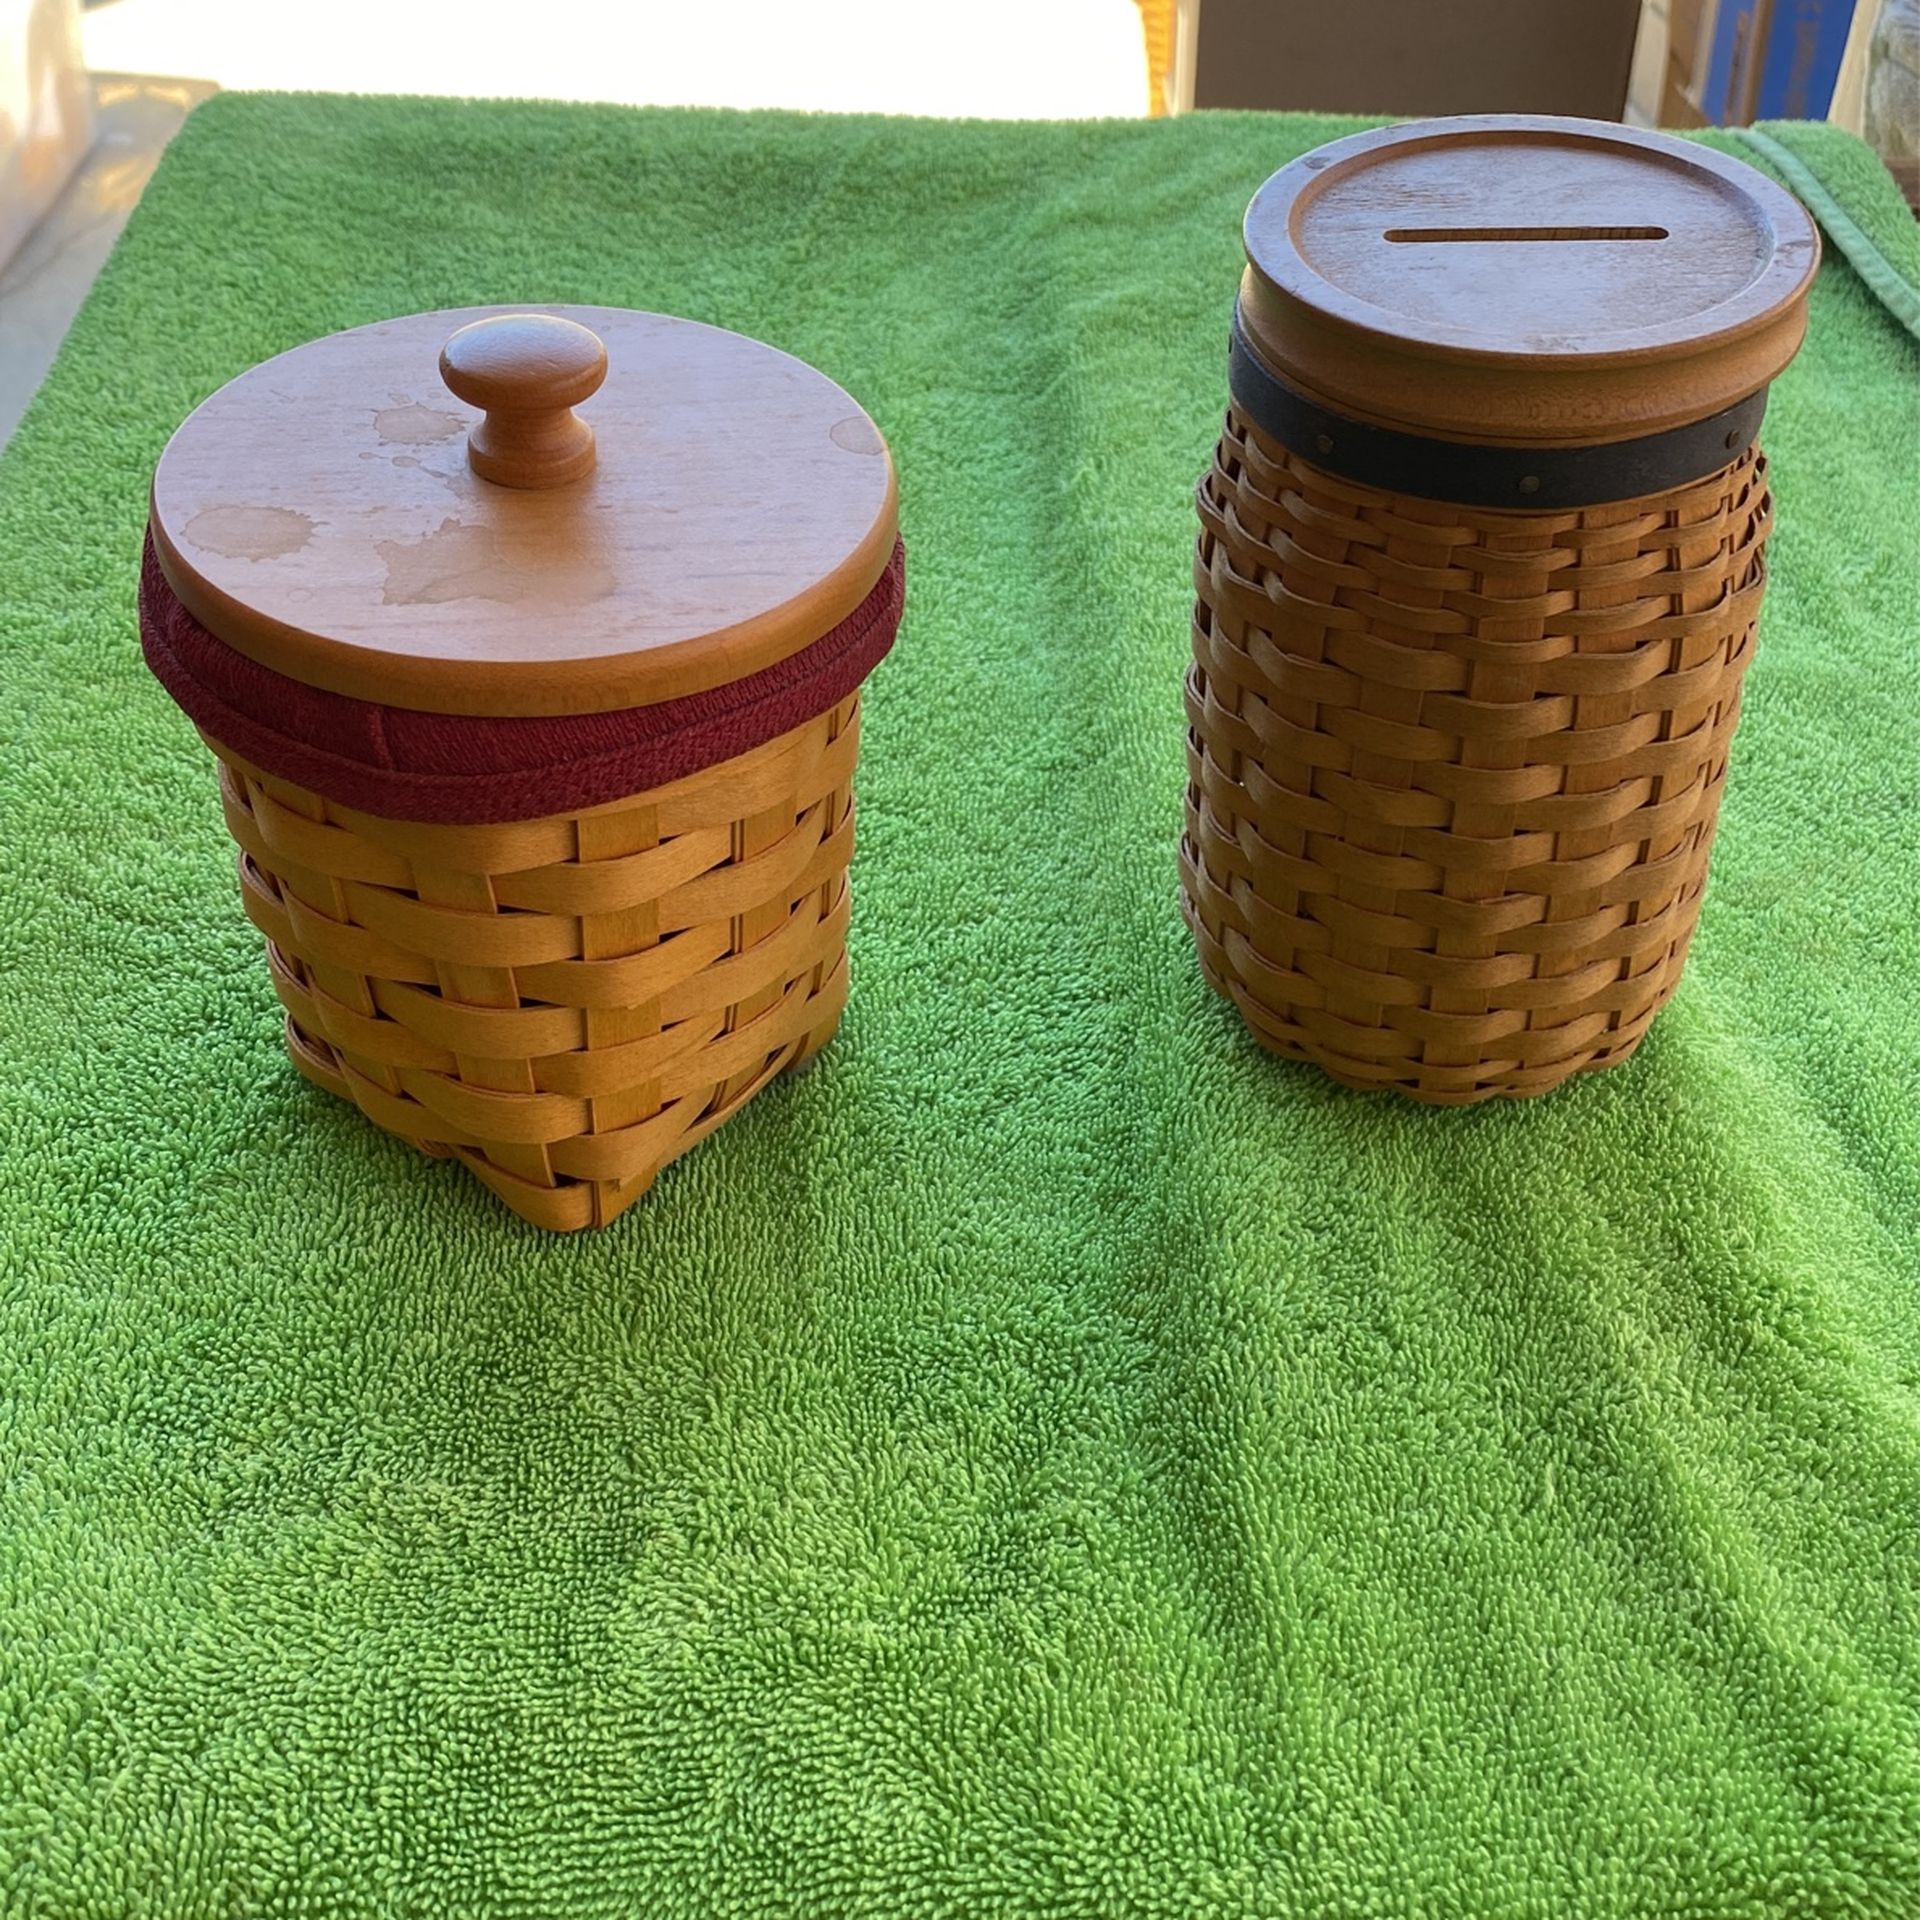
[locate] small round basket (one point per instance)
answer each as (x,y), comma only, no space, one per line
(1479,565)
(536,729)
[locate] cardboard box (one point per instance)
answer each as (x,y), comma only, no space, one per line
(1410,56)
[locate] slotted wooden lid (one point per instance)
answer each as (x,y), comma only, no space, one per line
(1514,278)
(412,512)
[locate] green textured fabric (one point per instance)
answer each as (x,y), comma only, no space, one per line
(1050,1458)
(1881,244)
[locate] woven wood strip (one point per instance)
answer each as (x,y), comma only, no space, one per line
(565,1004)
(1454,773)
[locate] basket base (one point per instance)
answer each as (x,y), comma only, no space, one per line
(1433,1085)
(577,1204)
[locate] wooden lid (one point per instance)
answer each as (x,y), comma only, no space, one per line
(1512,278)
(412,513)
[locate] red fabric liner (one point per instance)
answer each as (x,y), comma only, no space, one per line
(461,769)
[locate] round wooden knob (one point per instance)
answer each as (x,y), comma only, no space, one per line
(528,371)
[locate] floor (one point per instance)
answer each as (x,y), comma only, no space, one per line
(42,286)
(1001,59)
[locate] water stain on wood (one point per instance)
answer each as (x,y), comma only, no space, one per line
(250,533)
(414,426)
(857,434)
(458,561)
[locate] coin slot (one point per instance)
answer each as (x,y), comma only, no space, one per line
(1420,235)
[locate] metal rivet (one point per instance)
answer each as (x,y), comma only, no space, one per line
(1733,438)
(1531,484)
(1324,441)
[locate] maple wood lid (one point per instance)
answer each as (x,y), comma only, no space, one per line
(1514,278)
(413,513)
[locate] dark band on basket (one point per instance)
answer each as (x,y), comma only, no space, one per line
(1481,476)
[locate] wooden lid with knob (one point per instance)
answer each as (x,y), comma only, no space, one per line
(415,513)
(1513,279)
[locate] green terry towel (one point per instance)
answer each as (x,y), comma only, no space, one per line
(1049,1459)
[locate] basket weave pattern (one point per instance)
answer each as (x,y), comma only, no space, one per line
(564,1004)
(1454,772)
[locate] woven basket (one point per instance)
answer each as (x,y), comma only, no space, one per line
(1473,611)
(564,1004)
(536,731)
(1454,773)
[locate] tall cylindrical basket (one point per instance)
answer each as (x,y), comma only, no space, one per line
(1480,559)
